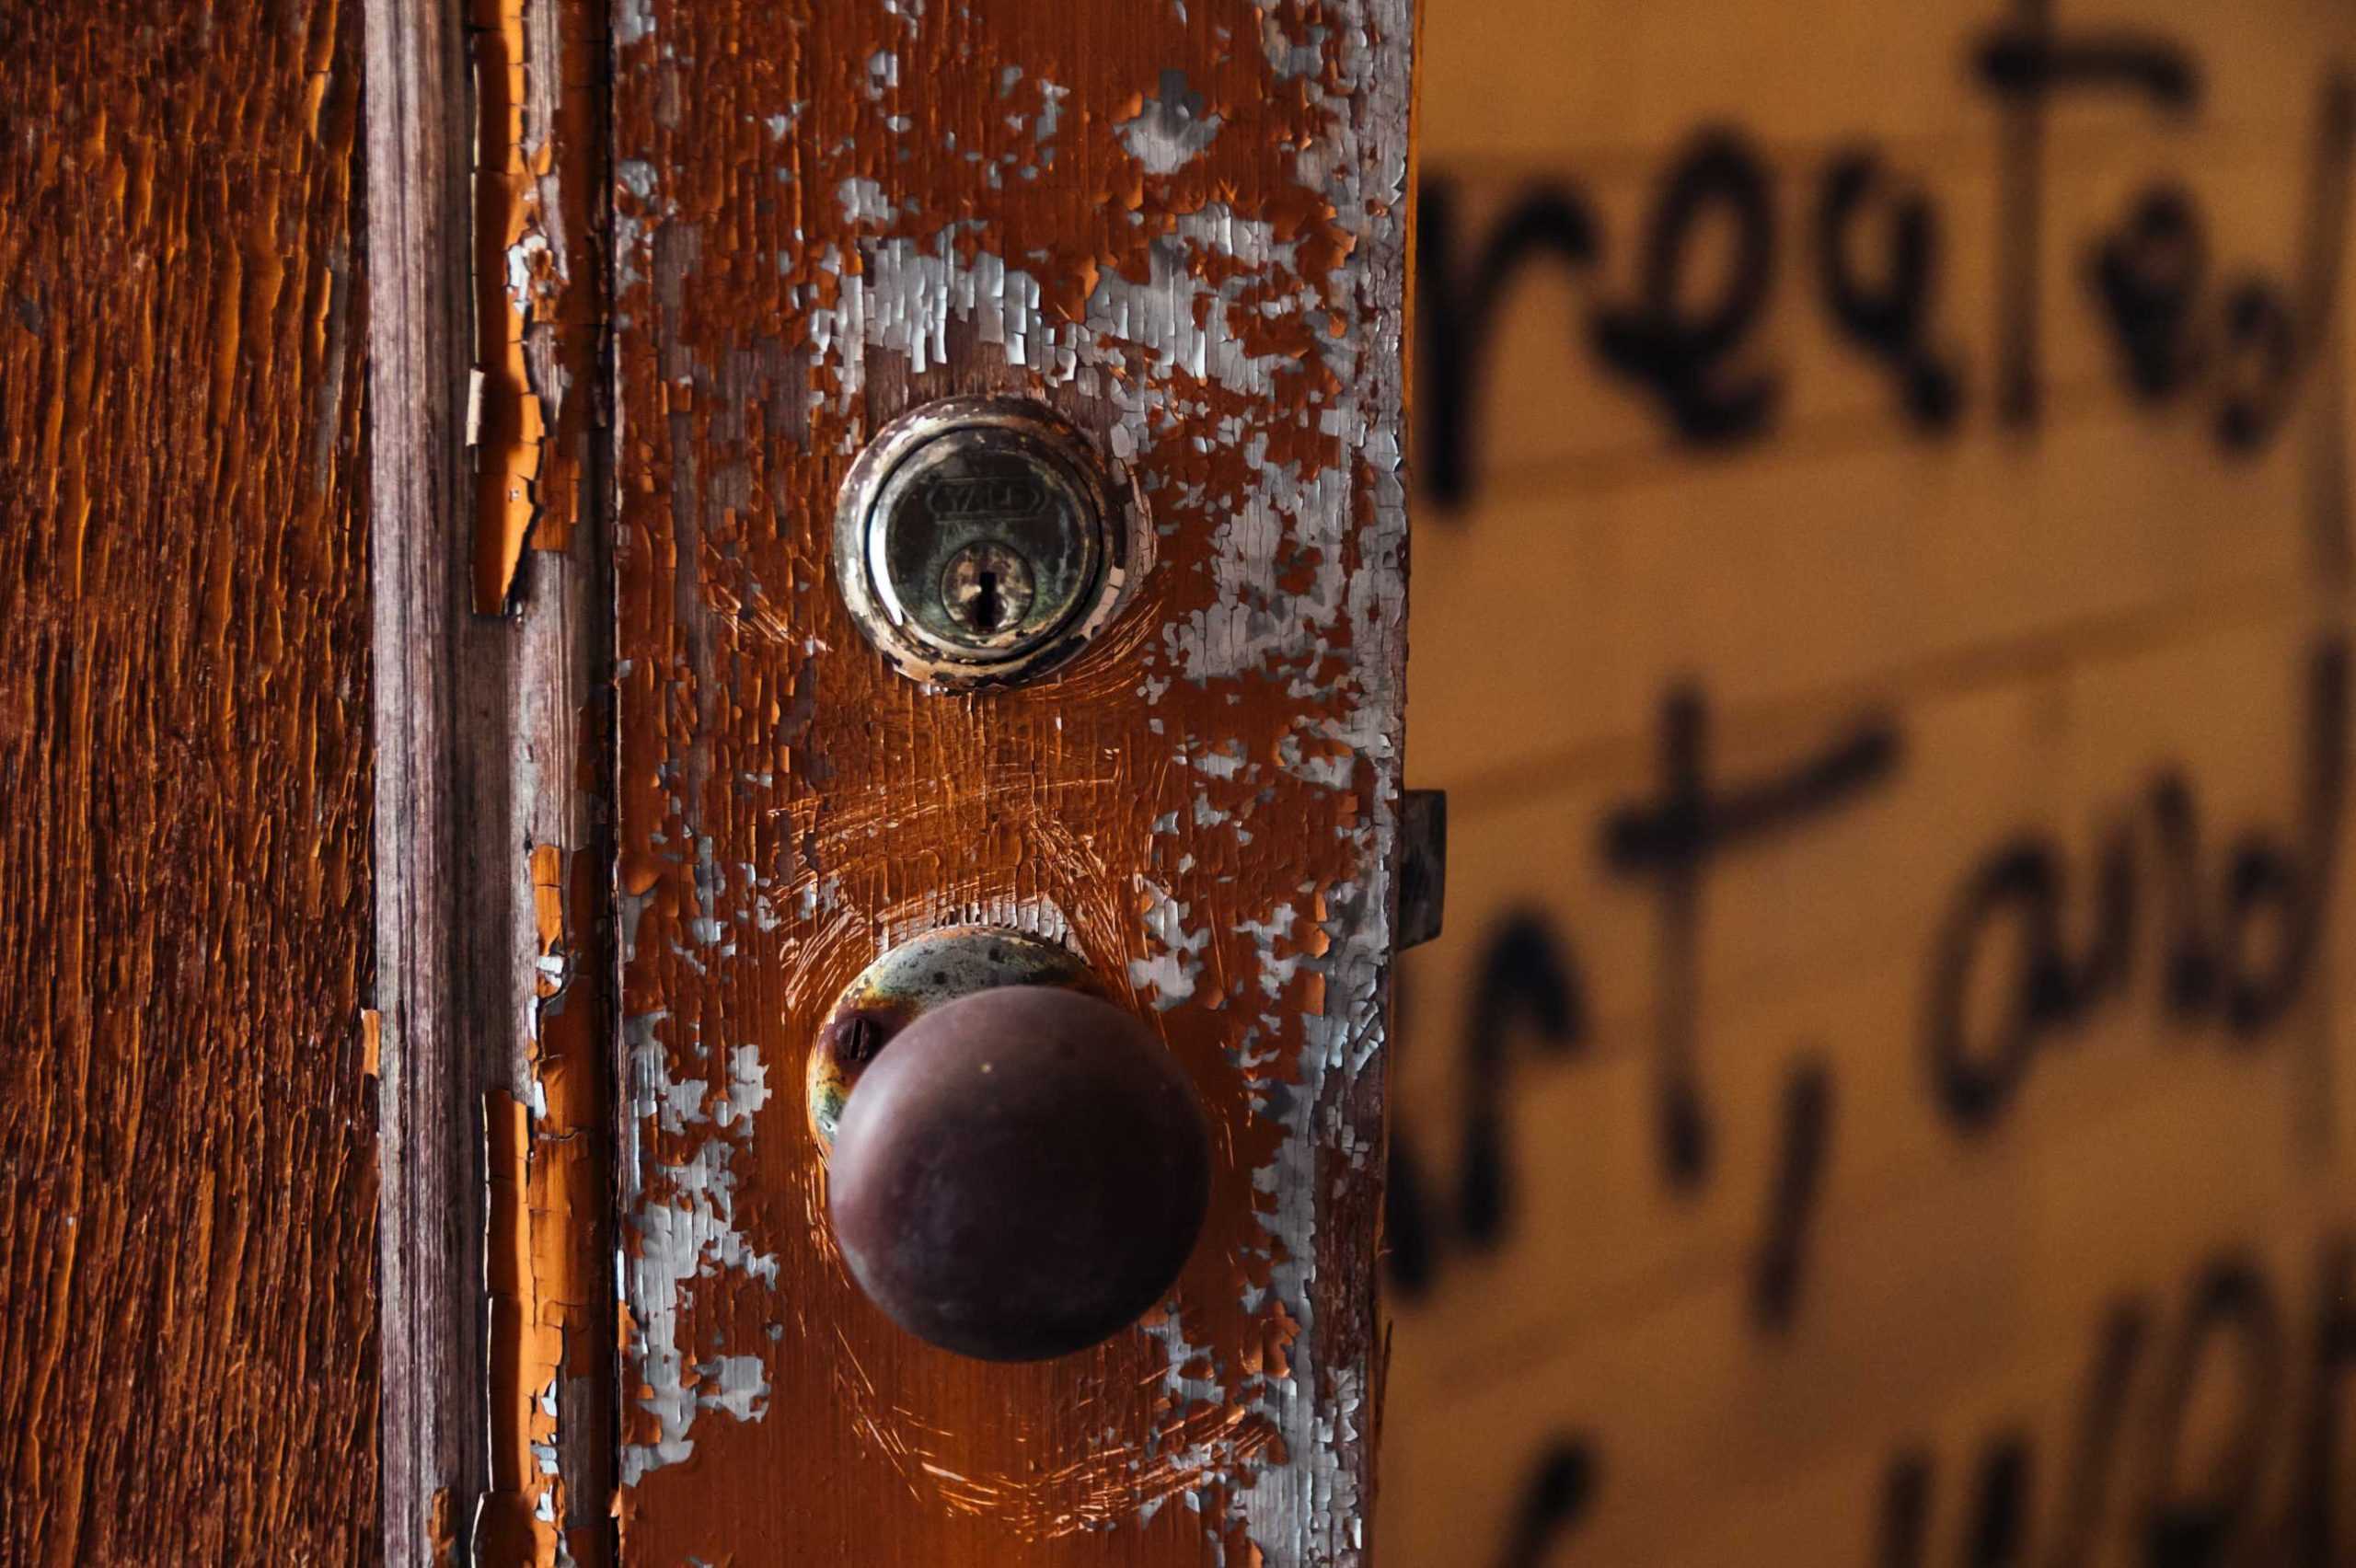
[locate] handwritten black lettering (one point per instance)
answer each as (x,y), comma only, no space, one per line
(1527,984)
(2195,971)
(2331,1366)
(2251,342)
(2188,1529)
(2006,1474)
(2151,281)
(1675,837)
(2023,887)
(1456,310)
(2274,903)
(2101,1420)
(2260,363)
(1905,1526)
(1999,1529)
(1687,353)
(1688,342)
(2297,886)
(1523,979)
(1889,318)
(2204,1514)
(2149,278)
(2026,64)
(1558,1494)
(1799,1179)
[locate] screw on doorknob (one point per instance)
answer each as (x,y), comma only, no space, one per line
(1020,1173)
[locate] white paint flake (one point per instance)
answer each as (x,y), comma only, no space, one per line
(684,1221)
(1171,131)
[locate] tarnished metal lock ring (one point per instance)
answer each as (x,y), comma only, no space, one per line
(980,541)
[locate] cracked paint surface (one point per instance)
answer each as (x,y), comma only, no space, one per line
(1187,232)
(188,1162)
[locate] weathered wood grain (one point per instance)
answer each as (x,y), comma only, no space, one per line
(188,1186)
(441,1027)
(1185,226)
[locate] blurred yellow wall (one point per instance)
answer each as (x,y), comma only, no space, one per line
(1887,1094)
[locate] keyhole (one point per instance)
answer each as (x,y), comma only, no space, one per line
(986,589)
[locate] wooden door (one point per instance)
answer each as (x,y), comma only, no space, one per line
(1182,228)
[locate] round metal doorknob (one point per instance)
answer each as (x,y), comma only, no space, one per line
(1020,1173)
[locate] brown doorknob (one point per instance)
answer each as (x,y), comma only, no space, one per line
(1020,1173)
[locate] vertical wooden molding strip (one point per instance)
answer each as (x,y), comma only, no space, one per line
(553,743)
(493,939)
(540,74)
(434,1430)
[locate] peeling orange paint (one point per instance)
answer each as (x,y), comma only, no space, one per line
(508,1530)
(548,910)
(548,1178)
(538,271)
(506,431)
